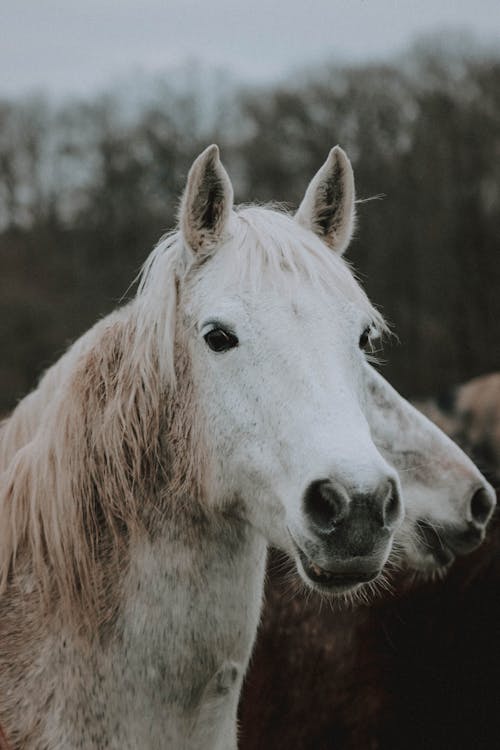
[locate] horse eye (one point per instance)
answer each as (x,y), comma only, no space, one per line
(364,339)
(220,340)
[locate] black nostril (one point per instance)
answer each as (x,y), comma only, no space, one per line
(324,504)
(391,509)
(481,506)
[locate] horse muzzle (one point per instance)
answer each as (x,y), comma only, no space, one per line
(341,578)
(443,543)
(347,536)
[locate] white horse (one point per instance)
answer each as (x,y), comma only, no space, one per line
(229,406)
(448,502)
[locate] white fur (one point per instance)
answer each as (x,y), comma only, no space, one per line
(437,478)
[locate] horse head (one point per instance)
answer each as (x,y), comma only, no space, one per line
(447,500)
(276,327)
(301,443)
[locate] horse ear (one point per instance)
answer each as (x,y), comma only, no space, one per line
(207,202)
(328,205)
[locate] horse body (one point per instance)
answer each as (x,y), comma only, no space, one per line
(225,408)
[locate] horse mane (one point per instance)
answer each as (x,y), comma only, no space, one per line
(19,428)
(78,454)
(81,454)
(75,476)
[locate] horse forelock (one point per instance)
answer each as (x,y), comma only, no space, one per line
(266,247)
(262,245)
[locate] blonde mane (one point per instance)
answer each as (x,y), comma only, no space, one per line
(80,455)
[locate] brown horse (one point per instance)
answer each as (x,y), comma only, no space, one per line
(418,669)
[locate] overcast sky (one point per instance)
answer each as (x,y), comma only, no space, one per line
(79,46)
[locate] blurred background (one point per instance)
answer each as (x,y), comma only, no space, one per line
(103,106)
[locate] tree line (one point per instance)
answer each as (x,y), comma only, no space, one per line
(86,188)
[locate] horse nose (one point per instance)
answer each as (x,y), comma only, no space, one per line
(327,504)
(482,504)
(462,540)
(392,507)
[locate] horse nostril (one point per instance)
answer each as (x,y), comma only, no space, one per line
(324,504)
(481,506)
(391,509)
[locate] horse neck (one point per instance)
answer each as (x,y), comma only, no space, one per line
(195,572)
(189,598)
(191,605)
